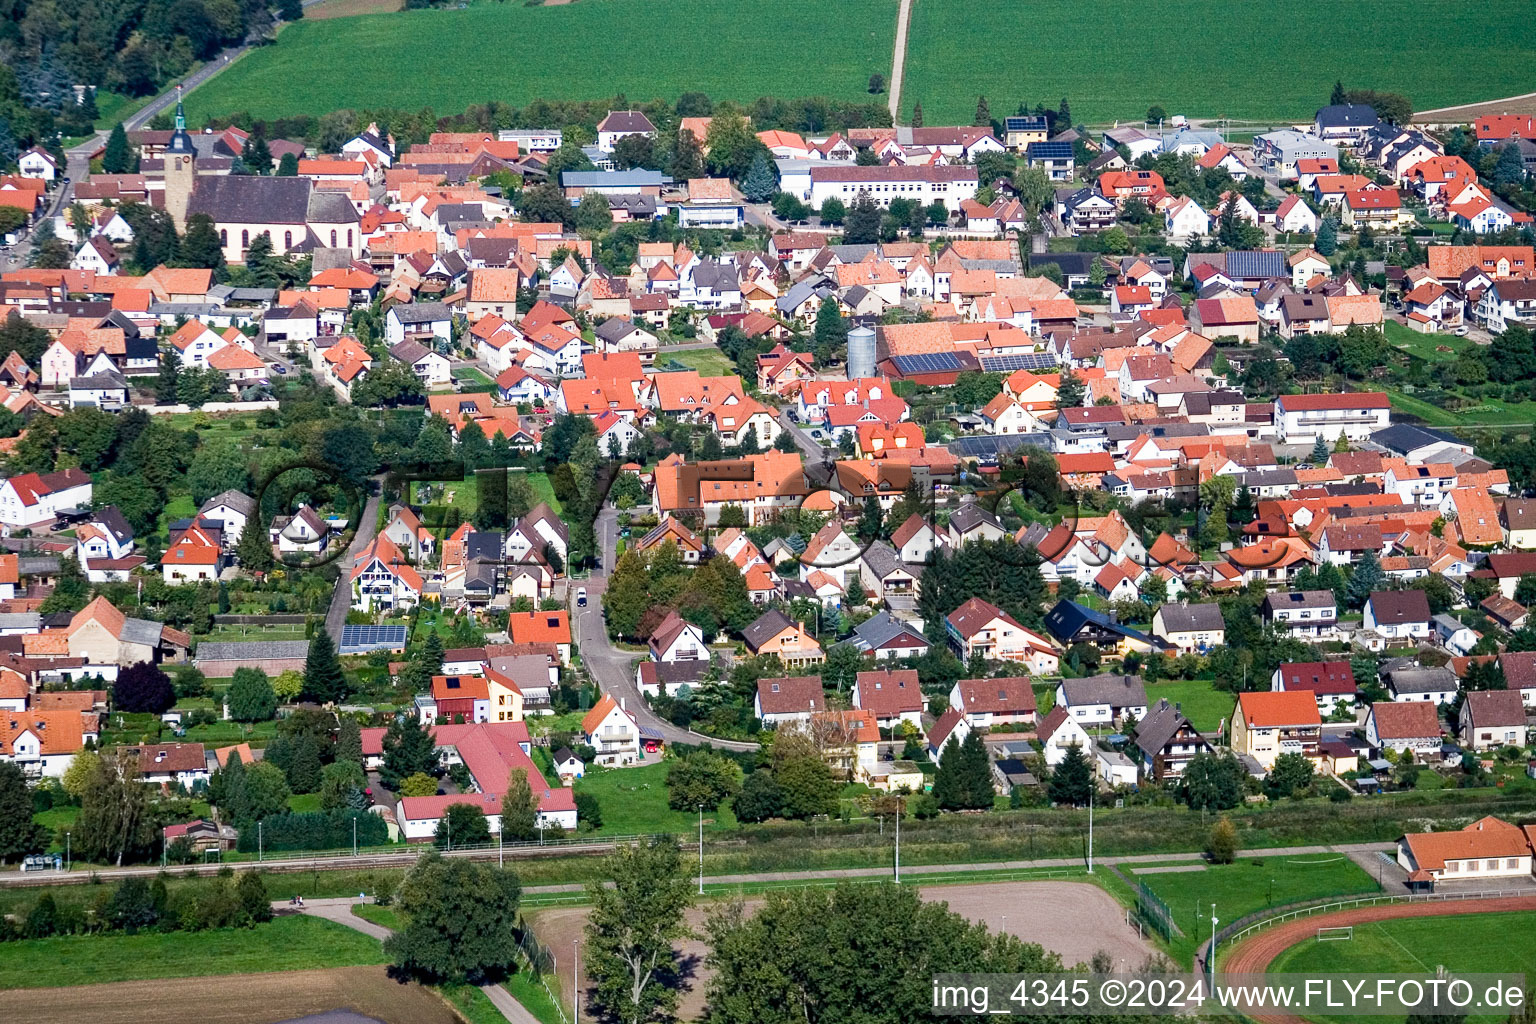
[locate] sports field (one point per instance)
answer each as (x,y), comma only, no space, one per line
(1252,883)
(1489,943)
(646,49)
(1209,58)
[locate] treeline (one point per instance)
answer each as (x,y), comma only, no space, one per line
(316,830)
(813,115)
(138,906)
(130,46)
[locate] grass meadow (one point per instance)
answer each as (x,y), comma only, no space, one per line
(288,943)
(1252,883)
(1112,59)
(646,49)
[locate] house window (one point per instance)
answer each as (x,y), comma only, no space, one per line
(245,240)
(223,237)
(349,238)
(333,238)
(287,239)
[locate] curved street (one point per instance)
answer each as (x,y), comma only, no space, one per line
(612,669)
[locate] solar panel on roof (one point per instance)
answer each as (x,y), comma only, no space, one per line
(1018,361)
(359,638)
(1050,150)
(927,362)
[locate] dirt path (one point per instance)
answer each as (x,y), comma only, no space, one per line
(899,58)
(1255,954)
(1525,103)
(1073,919)
(241,999)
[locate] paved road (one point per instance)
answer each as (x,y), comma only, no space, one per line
(340,911)
(899,60)
(811,447)
(341,601)
(613,669)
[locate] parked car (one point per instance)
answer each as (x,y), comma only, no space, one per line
(1462,331)
(581,597)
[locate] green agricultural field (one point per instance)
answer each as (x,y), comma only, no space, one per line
(1248,885)
(288,943)
(1207,58)
(634,802)
(1203,704)
(544,490)
(645,49)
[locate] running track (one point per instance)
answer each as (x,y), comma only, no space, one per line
(1254,955)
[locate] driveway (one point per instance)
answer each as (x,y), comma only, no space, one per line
(341,601)
(612,669)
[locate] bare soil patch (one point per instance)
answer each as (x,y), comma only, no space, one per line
(350,8)
(1525,104)
(1073,919)
(242,999)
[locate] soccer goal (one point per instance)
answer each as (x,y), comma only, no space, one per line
(1339,934)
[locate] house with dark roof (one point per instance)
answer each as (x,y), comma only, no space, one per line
(1344,122)
(1302,613)
(620,123)
(1103,699)
(677,639)
(663,678)
(295,215)
(773,632)
(1491,719)
(951,725)
(1071,623)
(1331,683)
(1396,617)
(1166,741)
(1190,628)
(886,638)
(1423,684)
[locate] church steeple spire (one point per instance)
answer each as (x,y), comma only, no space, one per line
(181,111)
(181,140)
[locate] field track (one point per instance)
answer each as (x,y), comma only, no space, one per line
(1255,954)
(241,999)
(1525,103)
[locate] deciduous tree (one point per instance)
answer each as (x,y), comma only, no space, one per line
(461,921)
(632,954)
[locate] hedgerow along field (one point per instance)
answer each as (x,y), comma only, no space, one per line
(1112,59)
(645,49)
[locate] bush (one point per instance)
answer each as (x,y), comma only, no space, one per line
(1221,846)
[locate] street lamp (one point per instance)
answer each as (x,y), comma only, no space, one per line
(1211,956)
(898,840)
(701,849)
(66,851)
(576,980)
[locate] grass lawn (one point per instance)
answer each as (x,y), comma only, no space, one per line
(302,803)
(477,1008)
(254,632)
(1265,61)
(461,494)
(382,916)
(180,507)
(1425,346)
(634,801)
(288,943)
(714,45)
(54,819)
(473,376)
(544,490)
(1491,411)
(1203,704)
(1248,885)
(710,362)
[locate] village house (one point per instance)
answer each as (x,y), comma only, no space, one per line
(1267,724)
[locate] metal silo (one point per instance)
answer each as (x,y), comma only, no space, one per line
(861,353)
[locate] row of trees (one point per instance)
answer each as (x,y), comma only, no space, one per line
(136,905)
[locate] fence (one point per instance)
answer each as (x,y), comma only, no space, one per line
(260,620)
(1153,911)
(1247,925)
